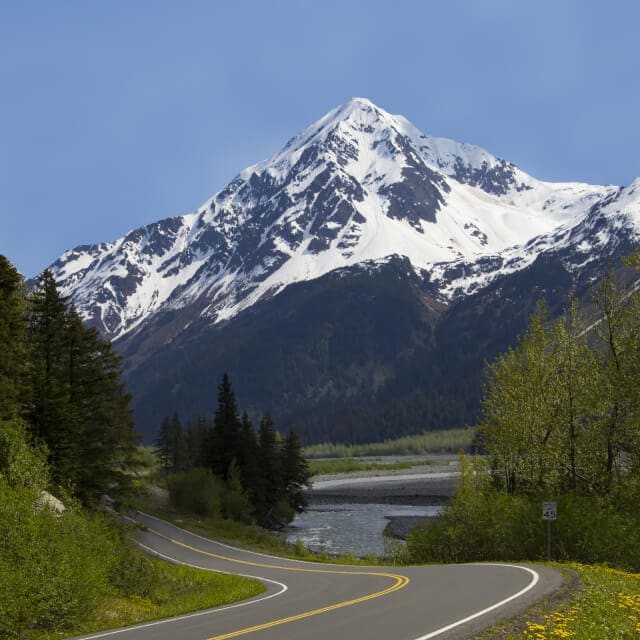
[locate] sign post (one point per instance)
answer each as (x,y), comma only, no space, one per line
(549,513)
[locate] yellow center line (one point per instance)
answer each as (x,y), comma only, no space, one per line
(400,582)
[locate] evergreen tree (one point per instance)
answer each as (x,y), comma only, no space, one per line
(79,406)
(271,490)
(236,502)
(178,444)
(48,413)
(248,462)
(13,354)
(99,407)
(295,472)
(197,438)
(163,443)
(225,442)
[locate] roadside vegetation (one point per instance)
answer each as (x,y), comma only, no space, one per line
(431,442)
(606,607)
(203,517)
(67,564)
(561,416)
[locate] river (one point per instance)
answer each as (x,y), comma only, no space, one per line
(348,514)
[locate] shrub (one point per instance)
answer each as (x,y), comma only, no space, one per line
(197,491)
(482,523)
(53,569)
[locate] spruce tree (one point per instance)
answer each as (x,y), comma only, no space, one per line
(295,472)
(13,353)
(178,445)
(197,439)
(248,461)
(49,414)
(271,492)
(163,443)
(225,441)
(79,406)
(102,416)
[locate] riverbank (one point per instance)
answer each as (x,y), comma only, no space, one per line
(429,483)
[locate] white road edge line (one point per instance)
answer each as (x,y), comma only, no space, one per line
(473,616)
(228,546)
(198,613)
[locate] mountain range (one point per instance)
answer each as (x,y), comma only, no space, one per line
(352,285)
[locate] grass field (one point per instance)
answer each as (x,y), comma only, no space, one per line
(347,465)
(432,442)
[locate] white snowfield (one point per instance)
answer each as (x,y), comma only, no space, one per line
(333,197)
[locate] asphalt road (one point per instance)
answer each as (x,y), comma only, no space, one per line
(309,601)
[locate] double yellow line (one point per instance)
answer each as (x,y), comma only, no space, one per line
(399,583)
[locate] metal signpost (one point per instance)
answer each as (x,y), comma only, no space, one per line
(549,513)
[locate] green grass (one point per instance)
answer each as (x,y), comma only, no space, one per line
(346,465)
(175,590)
(431,442)
(249,537)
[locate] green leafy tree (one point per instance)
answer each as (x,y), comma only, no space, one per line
(22,464)
(520,410)
(616,401)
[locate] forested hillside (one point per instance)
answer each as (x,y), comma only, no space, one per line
(561,416)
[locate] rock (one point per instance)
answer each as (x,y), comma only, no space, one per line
(47,501)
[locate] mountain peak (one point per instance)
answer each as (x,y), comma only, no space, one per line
(357,108)
(357,185)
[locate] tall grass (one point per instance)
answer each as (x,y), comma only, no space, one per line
(348,465)
(446,441)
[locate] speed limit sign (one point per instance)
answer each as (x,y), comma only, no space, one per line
(549,510)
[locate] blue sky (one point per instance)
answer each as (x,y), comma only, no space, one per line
(115,114)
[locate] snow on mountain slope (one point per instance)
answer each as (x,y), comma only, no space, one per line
(357,185)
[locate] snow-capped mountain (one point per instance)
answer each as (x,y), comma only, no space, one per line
(359,185)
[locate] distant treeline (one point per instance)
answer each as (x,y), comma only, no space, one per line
(252,476)
(445,441)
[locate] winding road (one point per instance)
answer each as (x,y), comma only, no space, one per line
(309,601)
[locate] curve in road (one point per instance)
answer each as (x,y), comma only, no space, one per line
(449,601)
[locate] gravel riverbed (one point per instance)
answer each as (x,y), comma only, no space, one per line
(428,484)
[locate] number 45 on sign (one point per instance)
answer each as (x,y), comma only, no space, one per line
(549,510)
